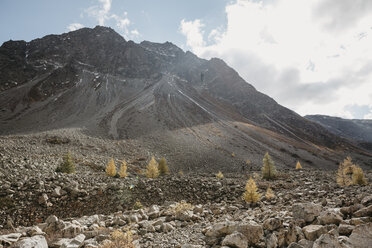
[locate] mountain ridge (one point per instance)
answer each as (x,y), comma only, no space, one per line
(96,80)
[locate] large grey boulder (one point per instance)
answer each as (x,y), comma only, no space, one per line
(327,241)
(312,232)
(10,238)
(221,229)
(306,211)
(330,216)
(76,242)
(364,212)
(33,242)
(272,224)
(236,239)
(361,236)
(252,230)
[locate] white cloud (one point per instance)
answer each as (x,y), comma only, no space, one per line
(102,14)
(193,32)
(287,50)
(74,26)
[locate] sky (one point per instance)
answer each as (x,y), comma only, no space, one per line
(312,56)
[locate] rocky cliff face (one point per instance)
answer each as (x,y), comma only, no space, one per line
(95,80)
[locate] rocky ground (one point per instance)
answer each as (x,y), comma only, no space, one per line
(40,206)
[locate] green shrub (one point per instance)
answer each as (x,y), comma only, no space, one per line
(67,166)
(163,167)
(268,168)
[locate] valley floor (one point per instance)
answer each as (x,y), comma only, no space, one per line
(38,205)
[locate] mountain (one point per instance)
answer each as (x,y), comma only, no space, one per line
(199,114)
(359,131)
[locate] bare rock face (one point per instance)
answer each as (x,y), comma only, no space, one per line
(306,211)
(362,236)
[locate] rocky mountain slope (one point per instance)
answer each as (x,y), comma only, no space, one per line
(359,131)
(200,114)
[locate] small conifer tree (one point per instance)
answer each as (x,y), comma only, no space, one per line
(233,154)
(152,170)
(123,169)
(268,168)
(111,168)
(269,193)
(68,165)
(298,166)
(163,167)
(251,194)
(219,175)
(344,169)
(358,176)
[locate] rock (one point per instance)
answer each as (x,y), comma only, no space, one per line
(35,230)
(312,232)
(184,215)
(306,243)
(147,226)
(71,230)
(153,212)
(43,199)
(306,211)
(330,217)
(51,219)
(344,229)
(295,245)
(221,229)
(166,227)
(198,209)
(272,224)
(252,230)
(364,212)
(326,241)
(76,242)
(361,236)
(57,191)
(235,239)
(272,241)
(366,201)
(33,242)
(10,238)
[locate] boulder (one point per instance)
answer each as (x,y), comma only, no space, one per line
(344,229)
(306,211)
(76,242)
(252,230)
(367,200)
(221,229)
(272,224)
(364,212)
(327,241)
(10,238)
(312,232)
(33,242)
(272,241)
(236,239)
(362,236)
(330,216)
(153,212)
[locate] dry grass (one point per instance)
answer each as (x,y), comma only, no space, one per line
(181,207)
